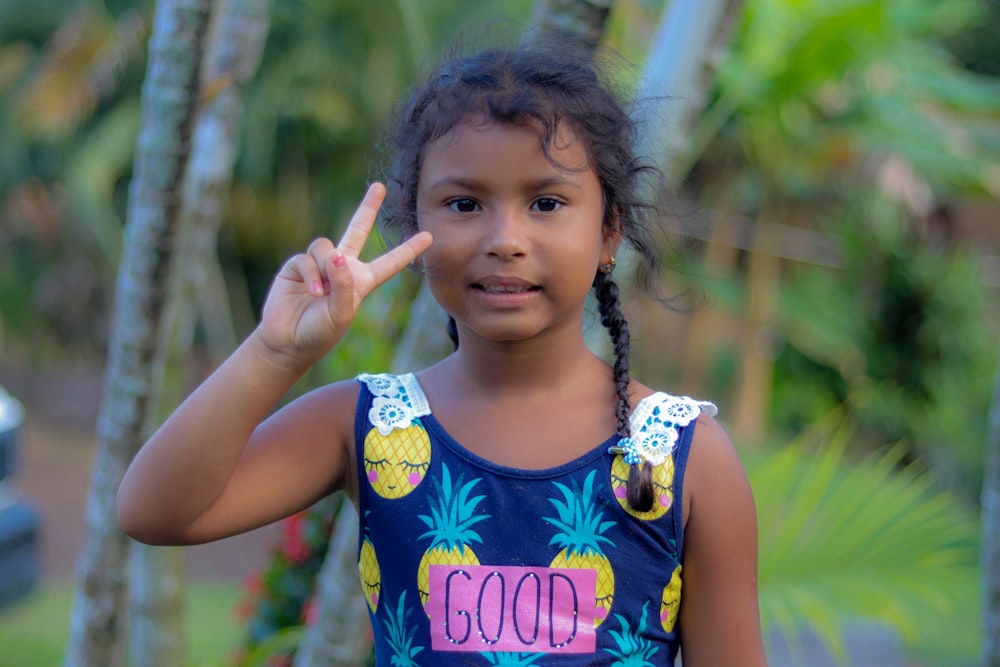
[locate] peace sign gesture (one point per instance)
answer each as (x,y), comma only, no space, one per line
(316,294)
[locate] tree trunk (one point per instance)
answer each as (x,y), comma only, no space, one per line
(675,76)
(587,19)
(671,93)
(138,333)
(232,54)
(339,635)
(991,536)
(757,354)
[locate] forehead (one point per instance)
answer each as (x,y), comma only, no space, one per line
(473,136)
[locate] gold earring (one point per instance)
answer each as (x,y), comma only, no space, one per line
(607,268)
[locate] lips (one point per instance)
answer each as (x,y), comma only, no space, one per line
(505,292)
(505,289)
(504,285)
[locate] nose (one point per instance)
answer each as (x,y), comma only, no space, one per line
(507,234)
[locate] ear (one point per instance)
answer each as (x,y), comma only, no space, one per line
(612,236)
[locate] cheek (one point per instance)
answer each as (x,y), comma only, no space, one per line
(442,262)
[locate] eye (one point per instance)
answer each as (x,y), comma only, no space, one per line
(546,204)
(462,205)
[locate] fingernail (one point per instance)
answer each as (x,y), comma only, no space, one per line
(339,260)
(317,288)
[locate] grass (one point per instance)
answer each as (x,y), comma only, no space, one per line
(33,632)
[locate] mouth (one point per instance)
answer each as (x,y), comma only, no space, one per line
(504,285)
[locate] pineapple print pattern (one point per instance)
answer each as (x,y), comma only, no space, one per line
(451,520)
(663,487)
(633,648)
(671,601)
(397,450)
(464,517)
(397,463)
(401,636)
(371,573)
(581,534)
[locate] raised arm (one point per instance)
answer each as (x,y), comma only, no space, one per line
(719,614)
(219,465)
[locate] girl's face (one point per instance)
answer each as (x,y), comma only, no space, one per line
(517,236)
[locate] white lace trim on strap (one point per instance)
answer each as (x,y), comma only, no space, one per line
(398,400)
(656,424)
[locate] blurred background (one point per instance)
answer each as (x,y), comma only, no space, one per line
(832,247)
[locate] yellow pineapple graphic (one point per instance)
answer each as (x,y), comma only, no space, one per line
(371,573)
(396,463)
(451,520)
(671,600)
(581,535)
(663,483)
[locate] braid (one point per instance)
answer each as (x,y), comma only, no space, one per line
(640,477)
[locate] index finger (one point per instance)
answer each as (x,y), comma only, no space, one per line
(385,267)
(360,226)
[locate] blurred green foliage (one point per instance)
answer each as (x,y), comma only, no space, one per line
(70,74)
(850,127)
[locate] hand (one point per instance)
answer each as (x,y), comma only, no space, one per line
(316,295)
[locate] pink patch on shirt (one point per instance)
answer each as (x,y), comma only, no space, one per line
(487,608)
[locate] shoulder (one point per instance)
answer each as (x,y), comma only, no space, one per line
(341,395)
(712,458)
(321,414)
(714,462)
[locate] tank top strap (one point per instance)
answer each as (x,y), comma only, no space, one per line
(656,425)
(397,400)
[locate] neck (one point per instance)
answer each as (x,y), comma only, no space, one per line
(526,368)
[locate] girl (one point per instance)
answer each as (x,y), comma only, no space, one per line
(521,502)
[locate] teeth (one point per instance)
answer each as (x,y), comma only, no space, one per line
(504,289)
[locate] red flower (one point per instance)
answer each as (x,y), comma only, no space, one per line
(310,611)
(294,545)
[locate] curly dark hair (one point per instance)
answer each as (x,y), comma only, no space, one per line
(549,85)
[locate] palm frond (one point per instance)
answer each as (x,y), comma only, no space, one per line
(855,540)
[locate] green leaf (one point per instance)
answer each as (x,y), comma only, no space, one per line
(843,539)
(281,642)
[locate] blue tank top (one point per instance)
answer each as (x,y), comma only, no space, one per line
(466,562)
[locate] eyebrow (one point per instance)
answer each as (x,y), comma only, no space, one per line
(476,185)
